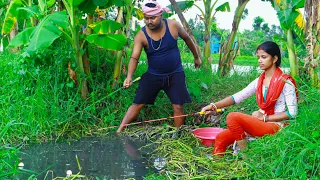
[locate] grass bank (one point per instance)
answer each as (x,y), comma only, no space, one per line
(40,103)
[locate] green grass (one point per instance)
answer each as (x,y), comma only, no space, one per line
(293,152)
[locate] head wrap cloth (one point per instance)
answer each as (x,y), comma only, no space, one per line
(154,11)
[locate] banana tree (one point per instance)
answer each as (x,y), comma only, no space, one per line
(66,24)
(11,19)
(207,16)
(312,11)
(227,53)
(124,16)
(291,20)
(3,39)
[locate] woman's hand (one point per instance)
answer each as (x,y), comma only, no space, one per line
(258,115)
(209,109)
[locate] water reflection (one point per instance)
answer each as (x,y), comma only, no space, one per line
(106,158)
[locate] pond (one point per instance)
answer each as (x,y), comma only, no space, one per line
(112,157)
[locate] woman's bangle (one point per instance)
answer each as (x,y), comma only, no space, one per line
(212,104)
(265,117)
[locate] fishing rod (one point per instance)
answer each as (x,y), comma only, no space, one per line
(162,119)
(172,117)
(136,79)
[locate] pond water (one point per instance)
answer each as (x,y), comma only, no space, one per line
(99,157)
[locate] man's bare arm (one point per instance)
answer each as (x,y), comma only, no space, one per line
(134,58)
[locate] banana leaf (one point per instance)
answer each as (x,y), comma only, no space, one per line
(47,31)
(183,5)
(23,38)
(108,41)
(105,27)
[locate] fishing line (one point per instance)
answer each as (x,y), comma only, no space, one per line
(162,119)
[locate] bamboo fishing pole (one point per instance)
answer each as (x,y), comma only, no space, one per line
(161,119)
(137,79)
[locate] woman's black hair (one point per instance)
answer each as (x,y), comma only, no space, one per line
(271,48)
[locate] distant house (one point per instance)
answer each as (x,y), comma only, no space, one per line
(215,44)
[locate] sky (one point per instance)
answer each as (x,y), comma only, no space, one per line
(224,19)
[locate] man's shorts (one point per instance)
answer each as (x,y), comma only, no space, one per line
(174,85)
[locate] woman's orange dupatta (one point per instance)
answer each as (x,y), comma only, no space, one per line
(277,83)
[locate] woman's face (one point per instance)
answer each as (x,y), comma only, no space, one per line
(265,60)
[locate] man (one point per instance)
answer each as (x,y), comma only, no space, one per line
(165,71)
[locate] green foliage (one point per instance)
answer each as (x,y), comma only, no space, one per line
(257,21)
(22,38)
(105,26)
(183,5)
(108,41)
(225,7)
(197,28)
(88,6)
(11,16)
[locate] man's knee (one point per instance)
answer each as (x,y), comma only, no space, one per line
(134,105)
(178,107)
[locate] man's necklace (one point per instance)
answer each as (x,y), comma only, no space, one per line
(158,46)
(159,43)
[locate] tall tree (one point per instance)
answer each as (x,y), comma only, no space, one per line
(228,54)
(197,28)
(257,21)
(312,13)
(185,24)
(208,18)
(265,28)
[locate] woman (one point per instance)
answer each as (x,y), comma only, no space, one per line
(276,96)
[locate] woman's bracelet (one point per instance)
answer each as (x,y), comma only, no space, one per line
(265,116)
(212,104)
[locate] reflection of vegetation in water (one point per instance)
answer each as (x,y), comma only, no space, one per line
(113,157)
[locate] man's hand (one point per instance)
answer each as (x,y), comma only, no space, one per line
(127,82)
(258,114)
(197,62)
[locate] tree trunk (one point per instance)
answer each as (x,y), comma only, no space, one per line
(78,56)
(312,12)
(228,54)
(292,54)
(207,36)
(118,54)
(85,57)
(185,25)
(13,34)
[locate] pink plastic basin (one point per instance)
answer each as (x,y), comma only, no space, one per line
(207,135)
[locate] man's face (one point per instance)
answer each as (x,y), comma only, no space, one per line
(153,22)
